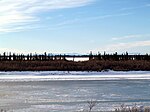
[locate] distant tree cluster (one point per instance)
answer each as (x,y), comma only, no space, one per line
(118,57)
(30,57)
(48,57)
(49,62)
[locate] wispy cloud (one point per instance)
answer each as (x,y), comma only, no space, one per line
(123,46)
(131,36)
(67,22)
(109,16)
(136,7)
(86,19)
(18,14)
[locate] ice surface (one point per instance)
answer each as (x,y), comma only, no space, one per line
(65,91)
(73,75)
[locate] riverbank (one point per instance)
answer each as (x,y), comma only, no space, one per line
(61,65)
(72,95)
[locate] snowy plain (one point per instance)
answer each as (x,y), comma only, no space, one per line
(65,91)
(73,75)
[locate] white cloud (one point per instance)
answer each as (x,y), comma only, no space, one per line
(86,19)
(15,14)
(68,22)
(123,46)
(55,4)
(130,36)
(108,16)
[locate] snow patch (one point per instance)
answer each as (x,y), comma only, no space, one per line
(73,75)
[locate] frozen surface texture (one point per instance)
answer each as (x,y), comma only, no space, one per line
(70,91)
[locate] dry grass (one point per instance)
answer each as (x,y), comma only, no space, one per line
(2,110)
(123,108)
(61,65)
(135,108)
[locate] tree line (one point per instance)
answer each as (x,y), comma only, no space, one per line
(52,62)
(49,56)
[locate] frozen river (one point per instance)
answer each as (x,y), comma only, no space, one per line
(69,92)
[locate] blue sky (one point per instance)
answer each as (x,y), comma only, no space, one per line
(75,26)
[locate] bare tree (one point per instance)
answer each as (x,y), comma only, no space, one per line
(91,105)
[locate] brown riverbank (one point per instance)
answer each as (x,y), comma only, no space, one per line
(61,65)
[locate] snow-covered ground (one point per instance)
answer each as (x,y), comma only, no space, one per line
(73,75)
(49,91)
